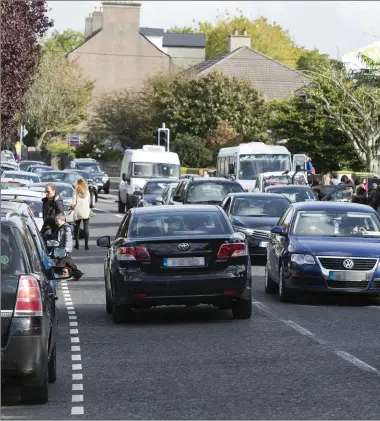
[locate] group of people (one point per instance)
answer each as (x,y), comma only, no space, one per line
(55,226)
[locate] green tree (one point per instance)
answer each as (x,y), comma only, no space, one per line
(193,151)
(124,117)
(196,105)
(63,43)
(58,99)
(185,30)
(267,38)
(309,58)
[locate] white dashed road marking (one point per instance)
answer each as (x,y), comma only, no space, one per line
(295,326)
(77,368)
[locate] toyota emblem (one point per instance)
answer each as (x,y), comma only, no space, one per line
(348,264)
(183,246)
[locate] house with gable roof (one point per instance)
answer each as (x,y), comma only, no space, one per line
(118,54)
(273,79)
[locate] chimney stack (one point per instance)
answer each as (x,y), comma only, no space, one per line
(97,19)
(122,15)
(88,26)
(236,41)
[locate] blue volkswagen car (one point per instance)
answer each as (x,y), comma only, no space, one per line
(324,247)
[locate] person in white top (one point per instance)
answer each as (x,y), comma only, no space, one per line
(82,211)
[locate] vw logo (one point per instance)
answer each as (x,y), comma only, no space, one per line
(348,264)
(183,246)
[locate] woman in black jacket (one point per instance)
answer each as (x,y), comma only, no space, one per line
(52,205)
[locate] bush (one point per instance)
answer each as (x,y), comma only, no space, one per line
(56,148)
(192,150)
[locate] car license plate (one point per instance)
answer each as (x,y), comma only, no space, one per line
(184,262)
(348,276)
(263,244)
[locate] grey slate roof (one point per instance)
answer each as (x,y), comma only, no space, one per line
(175,39)
(152,32)
(274,79)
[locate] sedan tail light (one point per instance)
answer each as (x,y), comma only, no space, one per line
(232,250)
(132,253)
(28,302)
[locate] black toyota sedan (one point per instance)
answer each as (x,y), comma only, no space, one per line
(255,214)
(176,255)
(153,190)
(28,312)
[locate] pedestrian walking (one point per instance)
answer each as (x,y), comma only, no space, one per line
(374,196)
(52,205)
(360,196)
(65,238)
(82,212)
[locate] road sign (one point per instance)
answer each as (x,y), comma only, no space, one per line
(73,140)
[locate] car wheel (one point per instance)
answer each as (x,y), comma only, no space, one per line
(91,200)
(270,286)
(52,368)
(109,306)
(107,190)
(242,309)
(38,393)
(120,313)
(283,291)
(121,206)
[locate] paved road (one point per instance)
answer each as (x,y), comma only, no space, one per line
(316,359)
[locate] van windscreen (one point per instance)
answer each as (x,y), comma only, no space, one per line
(154,170)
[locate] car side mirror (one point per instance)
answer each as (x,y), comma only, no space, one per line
(231,169)
(240,234)
(124,177)
(159,200)
(177,199)
(61,273)
(137,193)
(104,241)
(278,231)
(58,253)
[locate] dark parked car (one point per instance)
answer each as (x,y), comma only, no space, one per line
(255,214)
(92,184)
(324,247)
(294,192)
(200,190)
(70,177)
(176,255)
(24,165)
(28,312)
(153,190)
(92,165)
(39,169)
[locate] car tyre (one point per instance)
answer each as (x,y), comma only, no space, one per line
(37,394)
(109,306)
(242,309)
(52,367)
(283,292)
(270,286)
(121,206)
(120,313)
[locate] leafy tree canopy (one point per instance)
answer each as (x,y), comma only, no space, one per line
(22,24)
(193,151)
(196,105)
(123,117)
(267,38)
(62,43)
(58,98)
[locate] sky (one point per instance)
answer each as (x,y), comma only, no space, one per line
(334,27)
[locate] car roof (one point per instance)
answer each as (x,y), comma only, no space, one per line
(39,165)
(22,192)
(215,180)
(163,180)
(258,195)
(45,183)
(339,206)
(288,186)
(176,209)
(15,173)
(9,205)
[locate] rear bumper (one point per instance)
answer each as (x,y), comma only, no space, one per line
(23,355)
(138,288)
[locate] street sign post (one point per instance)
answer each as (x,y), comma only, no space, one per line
(73,141)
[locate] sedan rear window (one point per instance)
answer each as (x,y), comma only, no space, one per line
(181,223)
(12,262)
(211,192)
(259,206)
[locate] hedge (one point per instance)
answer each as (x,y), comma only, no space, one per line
(185,170)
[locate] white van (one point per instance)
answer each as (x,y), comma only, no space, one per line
(139,165)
